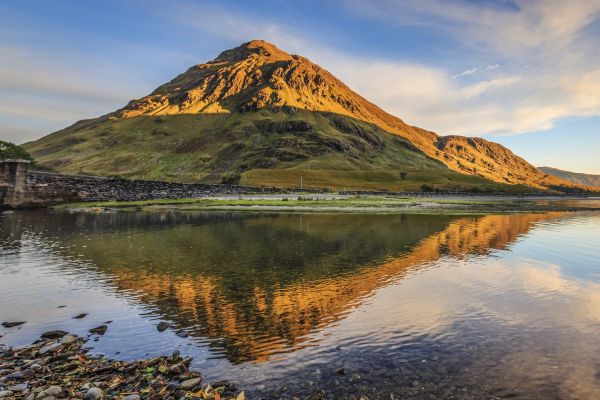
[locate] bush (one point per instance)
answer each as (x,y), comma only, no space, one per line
(231,179)
(10,151)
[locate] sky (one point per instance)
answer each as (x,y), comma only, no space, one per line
(523,73)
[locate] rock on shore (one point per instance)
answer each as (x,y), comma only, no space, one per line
(59,368)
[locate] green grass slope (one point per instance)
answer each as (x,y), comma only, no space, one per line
(266,148)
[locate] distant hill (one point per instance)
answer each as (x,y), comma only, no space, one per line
(258,115)
(575,177)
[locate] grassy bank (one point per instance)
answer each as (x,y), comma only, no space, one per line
(321,203)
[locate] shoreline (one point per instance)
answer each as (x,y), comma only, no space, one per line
(345,204)
(58,366)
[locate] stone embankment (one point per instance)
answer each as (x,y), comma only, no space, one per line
(21,188)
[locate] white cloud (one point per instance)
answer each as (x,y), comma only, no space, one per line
(466,72)
(552,57)
(481,87)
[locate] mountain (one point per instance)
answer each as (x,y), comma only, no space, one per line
(258,115)
(574,177)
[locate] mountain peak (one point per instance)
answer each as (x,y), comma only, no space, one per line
(257,75)
(254,47)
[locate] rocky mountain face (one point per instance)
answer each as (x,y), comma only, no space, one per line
(257,79)
(574,177)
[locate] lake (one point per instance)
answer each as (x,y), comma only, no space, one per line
(381,305)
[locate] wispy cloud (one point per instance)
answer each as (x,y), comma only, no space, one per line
(548,44)
(466,72)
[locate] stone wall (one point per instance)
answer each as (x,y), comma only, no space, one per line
(20,188)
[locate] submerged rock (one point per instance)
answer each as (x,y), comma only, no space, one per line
(12,324)
(99,330)
(80,316)
(163,326)
(53,334)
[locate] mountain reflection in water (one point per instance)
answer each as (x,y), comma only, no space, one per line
(267,288)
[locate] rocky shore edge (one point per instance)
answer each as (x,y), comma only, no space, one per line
(58,366)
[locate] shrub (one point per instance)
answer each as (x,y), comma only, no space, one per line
(231,179)
(10,151)
(427,188)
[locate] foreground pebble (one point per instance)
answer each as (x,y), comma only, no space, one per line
(94,394)
(57,367)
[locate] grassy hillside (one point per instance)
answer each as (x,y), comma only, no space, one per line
(268,148)
(258,115)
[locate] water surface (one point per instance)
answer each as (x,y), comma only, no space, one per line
(421,306)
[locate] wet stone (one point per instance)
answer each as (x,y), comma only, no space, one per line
(176,369)
(20,387)
(70,372)
(26,374)
(12,324)
(49,348)
(80,316)
(5,393)
(94,394)
(190,383)
(35,367)
(56,334)
(53,391)
(68,339)
(99,330)
(163,326)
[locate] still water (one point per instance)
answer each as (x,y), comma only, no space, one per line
(384,306)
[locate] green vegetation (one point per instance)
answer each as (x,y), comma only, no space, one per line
(10,151)
(264,148)
(307,202)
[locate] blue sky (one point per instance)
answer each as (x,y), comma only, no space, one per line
(523,73)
